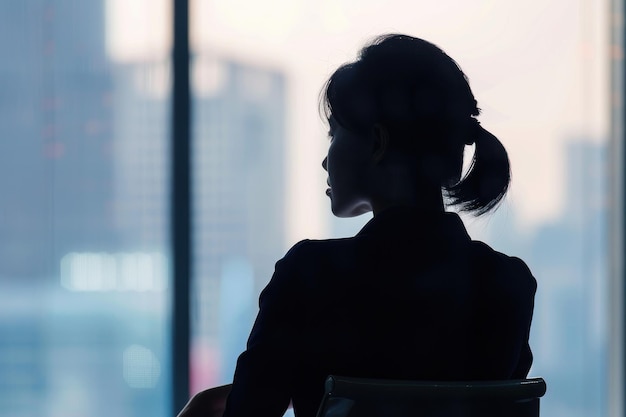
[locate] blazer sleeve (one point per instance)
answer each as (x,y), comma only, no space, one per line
(506,301)
(526,291)
(526,356)
(263,381)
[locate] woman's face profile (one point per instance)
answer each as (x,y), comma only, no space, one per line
(348,165)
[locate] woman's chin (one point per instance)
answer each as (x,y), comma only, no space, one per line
(351,211)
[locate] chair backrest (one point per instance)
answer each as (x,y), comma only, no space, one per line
(357,397)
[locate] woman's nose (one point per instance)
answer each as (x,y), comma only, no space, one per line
(325,164)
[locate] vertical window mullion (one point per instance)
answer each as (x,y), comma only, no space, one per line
(180,204)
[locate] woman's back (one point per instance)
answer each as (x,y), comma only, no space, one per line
(409,297)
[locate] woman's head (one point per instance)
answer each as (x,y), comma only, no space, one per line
(418,97)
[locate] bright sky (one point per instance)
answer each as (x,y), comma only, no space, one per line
(538,69)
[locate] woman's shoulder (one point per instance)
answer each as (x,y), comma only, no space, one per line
(509,269)
(313,247)
(316,258)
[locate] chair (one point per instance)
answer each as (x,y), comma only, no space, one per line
(356,397)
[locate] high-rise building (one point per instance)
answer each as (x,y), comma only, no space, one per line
(55,152)
(56,189)
(238,178)
(569,259)
(239,198)
(141,131)
(84,214)
(71,272)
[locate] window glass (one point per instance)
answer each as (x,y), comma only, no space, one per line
(84,256)
(539,72)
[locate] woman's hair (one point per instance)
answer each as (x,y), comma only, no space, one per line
(423,99)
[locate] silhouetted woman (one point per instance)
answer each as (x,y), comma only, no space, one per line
(411,296)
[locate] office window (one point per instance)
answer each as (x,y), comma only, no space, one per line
(85,249)
(84,281)
(539,71)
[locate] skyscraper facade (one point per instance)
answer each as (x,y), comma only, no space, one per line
(71,272)
(239,203)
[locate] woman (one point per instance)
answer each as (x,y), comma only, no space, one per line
(411,296)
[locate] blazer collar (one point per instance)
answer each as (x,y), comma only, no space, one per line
(409,220)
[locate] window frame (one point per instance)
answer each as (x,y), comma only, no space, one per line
(180,205)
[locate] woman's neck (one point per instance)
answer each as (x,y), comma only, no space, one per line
(419,198)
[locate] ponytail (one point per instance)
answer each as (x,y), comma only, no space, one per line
(487,180)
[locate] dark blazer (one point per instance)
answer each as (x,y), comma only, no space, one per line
(411,296)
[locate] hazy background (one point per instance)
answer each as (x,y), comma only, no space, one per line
(538,69)
(84,200)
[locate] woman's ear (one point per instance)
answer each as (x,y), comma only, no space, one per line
(381,142)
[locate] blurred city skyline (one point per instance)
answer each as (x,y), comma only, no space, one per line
(85,250)
(539,71)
